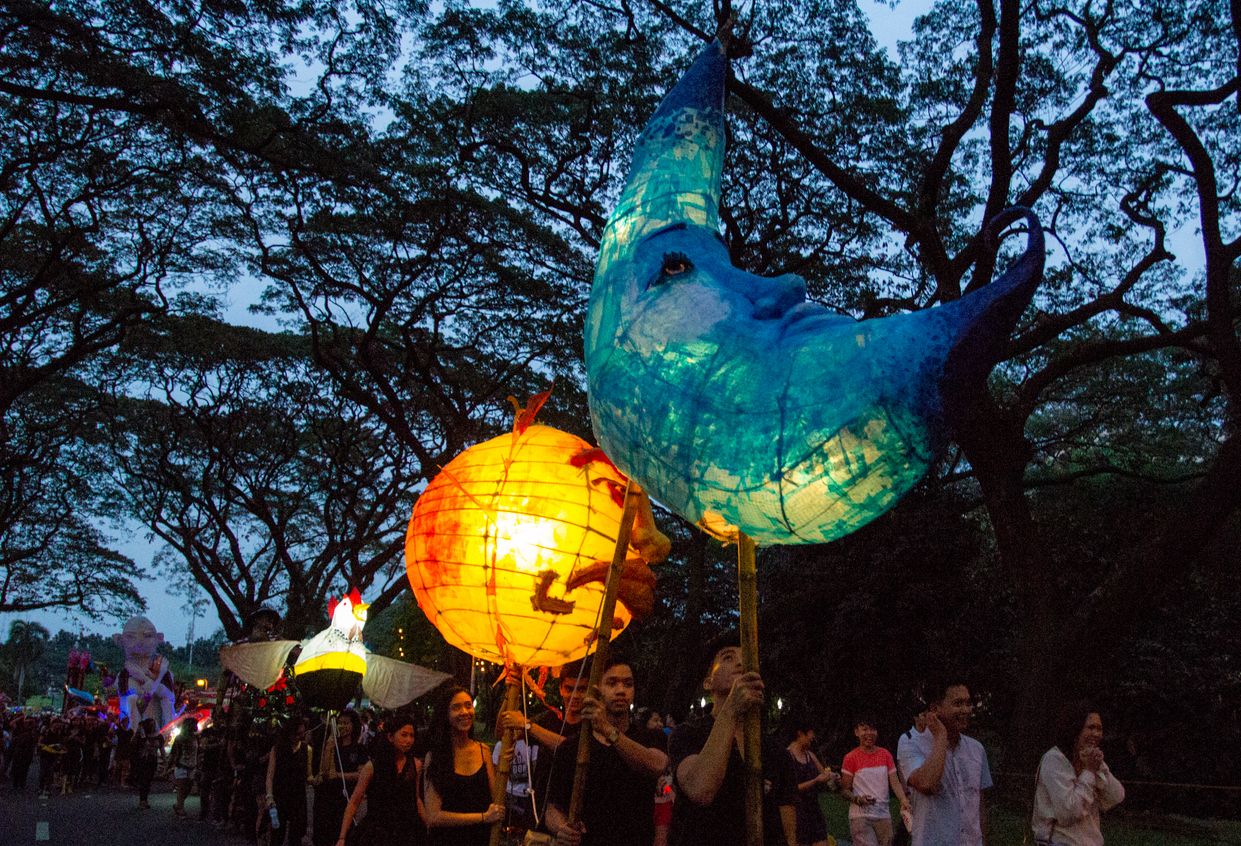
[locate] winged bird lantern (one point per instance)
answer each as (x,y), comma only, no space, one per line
(332,663)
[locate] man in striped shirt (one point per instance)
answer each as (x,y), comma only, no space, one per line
(867,774)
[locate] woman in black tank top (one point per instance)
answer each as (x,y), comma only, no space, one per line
(389,786)
(459,777)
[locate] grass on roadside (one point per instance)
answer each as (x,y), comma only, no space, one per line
(1007,825)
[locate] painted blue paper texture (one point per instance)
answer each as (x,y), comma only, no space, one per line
(729,396)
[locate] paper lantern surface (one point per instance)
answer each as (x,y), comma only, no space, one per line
(508,546)
(731,398)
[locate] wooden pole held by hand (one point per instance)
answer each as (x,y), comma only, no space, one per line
(747,590)
(603,642)
(512,692)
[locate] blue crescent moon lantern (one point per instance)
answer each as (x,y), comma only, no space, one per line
(729,396)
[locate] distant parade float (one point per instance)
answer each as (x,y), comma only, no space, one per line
(508,547)
(144,685)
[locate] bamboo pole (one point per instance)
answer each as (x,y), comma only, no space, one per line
(747,590)
(507,740)
(603,643)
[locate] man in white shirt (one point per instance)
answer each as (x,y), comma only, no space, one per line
(949,774)
(519,777)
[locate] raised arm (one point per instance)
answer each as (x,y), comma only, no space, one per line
(927,777)
(1072,795)
(516,721)
(699,776)
(639,758)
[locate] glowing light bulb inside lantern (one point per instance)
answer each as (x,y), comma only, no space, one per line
(525,541)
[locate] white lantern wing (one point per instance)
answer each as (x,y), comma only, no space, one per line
(257,664)
(390,683)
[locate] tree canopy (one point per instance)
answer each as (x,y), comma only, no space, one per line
(418,190)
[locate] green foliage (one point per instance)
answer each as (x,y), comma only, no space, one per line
(23,650)
(420,189)
(262,480)
(403,632)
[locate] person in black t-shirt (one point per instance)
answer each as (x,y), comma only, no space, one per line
(619,796)
(709,772)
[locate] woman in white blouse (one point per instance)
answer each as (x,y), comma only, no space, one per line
(1074,784)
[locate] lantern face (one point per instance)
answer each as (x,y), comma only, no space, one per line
(496,537)
(731,398)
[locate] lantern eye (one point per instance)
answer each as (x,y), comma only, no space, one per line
(676,264)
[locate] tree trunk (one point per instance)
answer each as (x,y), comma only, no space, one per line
(998,451)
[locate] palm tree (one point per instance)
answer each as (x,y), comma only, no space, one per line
(25,646)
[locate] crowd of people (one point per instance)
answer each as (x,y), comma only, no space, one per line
(384,780)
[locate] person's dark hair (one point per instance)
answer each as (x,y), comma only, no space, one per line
(355,725)
(576,669)
(796,721)
(441,740)
(865,719)
(262,613)
(1069,723)
(616,659)
(725,639)
(937,689)
(189,724)
(398,721)
(287,731)
(383,753)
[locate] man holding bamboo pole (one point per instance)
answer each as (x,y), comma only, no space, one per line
(708,767)
(618,805)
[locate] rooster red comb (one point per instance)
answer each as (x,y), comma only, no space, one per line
(354,597)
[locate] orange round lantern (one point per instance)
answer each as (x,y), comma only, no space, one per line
(508,547)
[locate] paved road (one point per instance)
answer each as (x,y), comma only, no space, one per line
(107,816)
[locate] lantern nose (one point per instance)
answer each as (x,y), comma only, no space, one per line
(359,611)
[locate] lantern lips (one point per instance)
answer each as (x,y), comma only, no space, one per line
(737,402)
(636,590)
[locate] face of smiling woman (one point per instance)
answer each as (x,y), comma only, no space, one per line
(461,713)
(1091,733)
